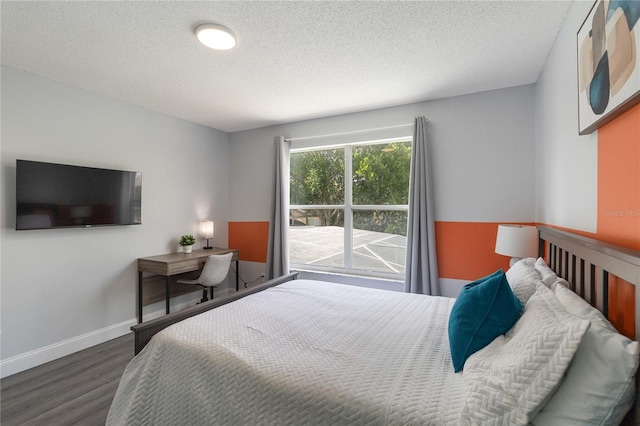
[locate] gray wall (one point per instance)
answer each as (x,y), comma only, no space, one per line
(482,152)
(65,289)
(566,163)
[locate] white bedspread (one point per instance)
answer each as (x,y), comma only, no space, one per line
(305,352)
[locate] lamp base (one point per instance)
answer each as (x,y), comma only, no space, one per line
(207,247)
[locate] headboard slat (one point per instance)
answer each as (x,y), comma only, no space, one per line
(572,275)
(592,283)
(583,287)
(599,299)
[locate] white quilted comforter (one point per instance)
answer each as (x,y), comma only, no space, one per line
(305,352)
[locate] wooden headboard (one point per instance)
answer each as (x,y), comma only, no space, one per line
(599,272)
(595,269)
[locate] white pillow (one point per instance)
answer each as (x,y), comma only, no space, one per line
(507,381)
(529,261)
(548,276)
(560,282)
(599,385)
(522,278)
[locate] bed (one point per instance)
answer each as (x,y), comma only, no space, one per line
(301,352)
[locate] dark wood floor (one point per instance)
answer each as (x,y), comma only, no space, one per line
(74,390)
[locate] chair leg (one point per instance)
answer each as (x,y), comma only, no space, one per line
(204,295)
(211,292)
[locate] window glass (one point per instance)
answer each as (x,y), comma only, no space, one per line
(317,177)
(379,240)
(357,225)
(316,238)
(381,173)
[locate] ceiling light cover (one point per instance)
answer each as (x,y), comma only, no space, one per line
(216,36)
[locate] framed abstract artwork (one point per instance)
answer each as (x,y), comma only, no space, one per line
(608,62)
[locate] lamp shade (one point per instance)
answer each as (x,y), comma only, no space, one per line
(207,228)
(517,241)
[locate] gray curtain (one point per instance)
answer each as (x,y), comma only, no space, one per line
(278,252)
(421,274)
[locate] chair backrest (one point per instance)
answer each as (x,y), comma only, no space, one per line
(215,269)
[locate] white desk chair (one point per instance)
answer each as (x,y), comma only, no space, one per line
(214,272)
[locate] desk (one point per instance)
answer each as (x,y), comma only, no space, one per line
(177,263)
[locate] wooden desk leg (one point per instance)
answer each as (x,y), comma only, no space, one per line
(167,295)
(139,297)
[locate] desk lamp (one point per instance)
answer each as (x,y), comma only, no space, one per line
(206,230)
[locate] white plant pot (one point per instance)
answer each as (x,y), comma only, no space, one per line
(187,249)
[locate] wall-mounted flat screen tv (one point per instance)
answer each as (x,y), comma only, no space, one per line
(52,195)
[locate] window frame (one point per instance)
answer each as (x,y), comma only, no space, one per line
(348,208)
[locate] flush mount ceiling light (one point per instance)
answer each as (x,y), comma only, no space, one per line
(216,36)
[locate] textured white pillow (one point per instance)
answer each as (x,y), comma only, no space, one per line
(599,385)
(529,261)
(522,278)
(548,276)
(509,380)
(559,282)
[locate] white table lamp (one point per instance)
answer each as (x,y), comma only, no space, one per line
(206,230)
(517,241)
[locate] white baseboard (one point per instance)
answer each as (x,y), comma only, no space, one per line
(39,356)
(48,353)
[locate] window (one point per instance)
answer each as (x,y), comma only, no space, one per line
(348,208)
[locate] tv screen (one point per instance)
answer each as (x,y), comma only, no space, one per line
(52,195)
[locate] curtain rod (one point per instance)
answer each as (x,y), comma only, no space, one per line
(348,133)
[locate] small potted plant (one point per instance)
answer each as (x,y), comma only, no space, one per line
(187,241)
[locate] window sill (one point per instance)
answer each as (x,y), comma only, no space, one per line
(359,281)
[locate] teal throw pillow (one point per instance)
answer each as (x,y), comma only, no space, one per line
(484,310)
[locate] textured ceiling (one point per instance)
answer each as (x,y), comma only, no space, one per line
(293,61)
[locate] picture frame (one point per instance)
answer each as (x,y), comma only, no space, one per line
(608,47)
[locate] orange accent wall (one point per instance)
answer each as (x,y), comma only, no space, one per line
(251,239)
(619,204)
(619,180)
(466,250)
